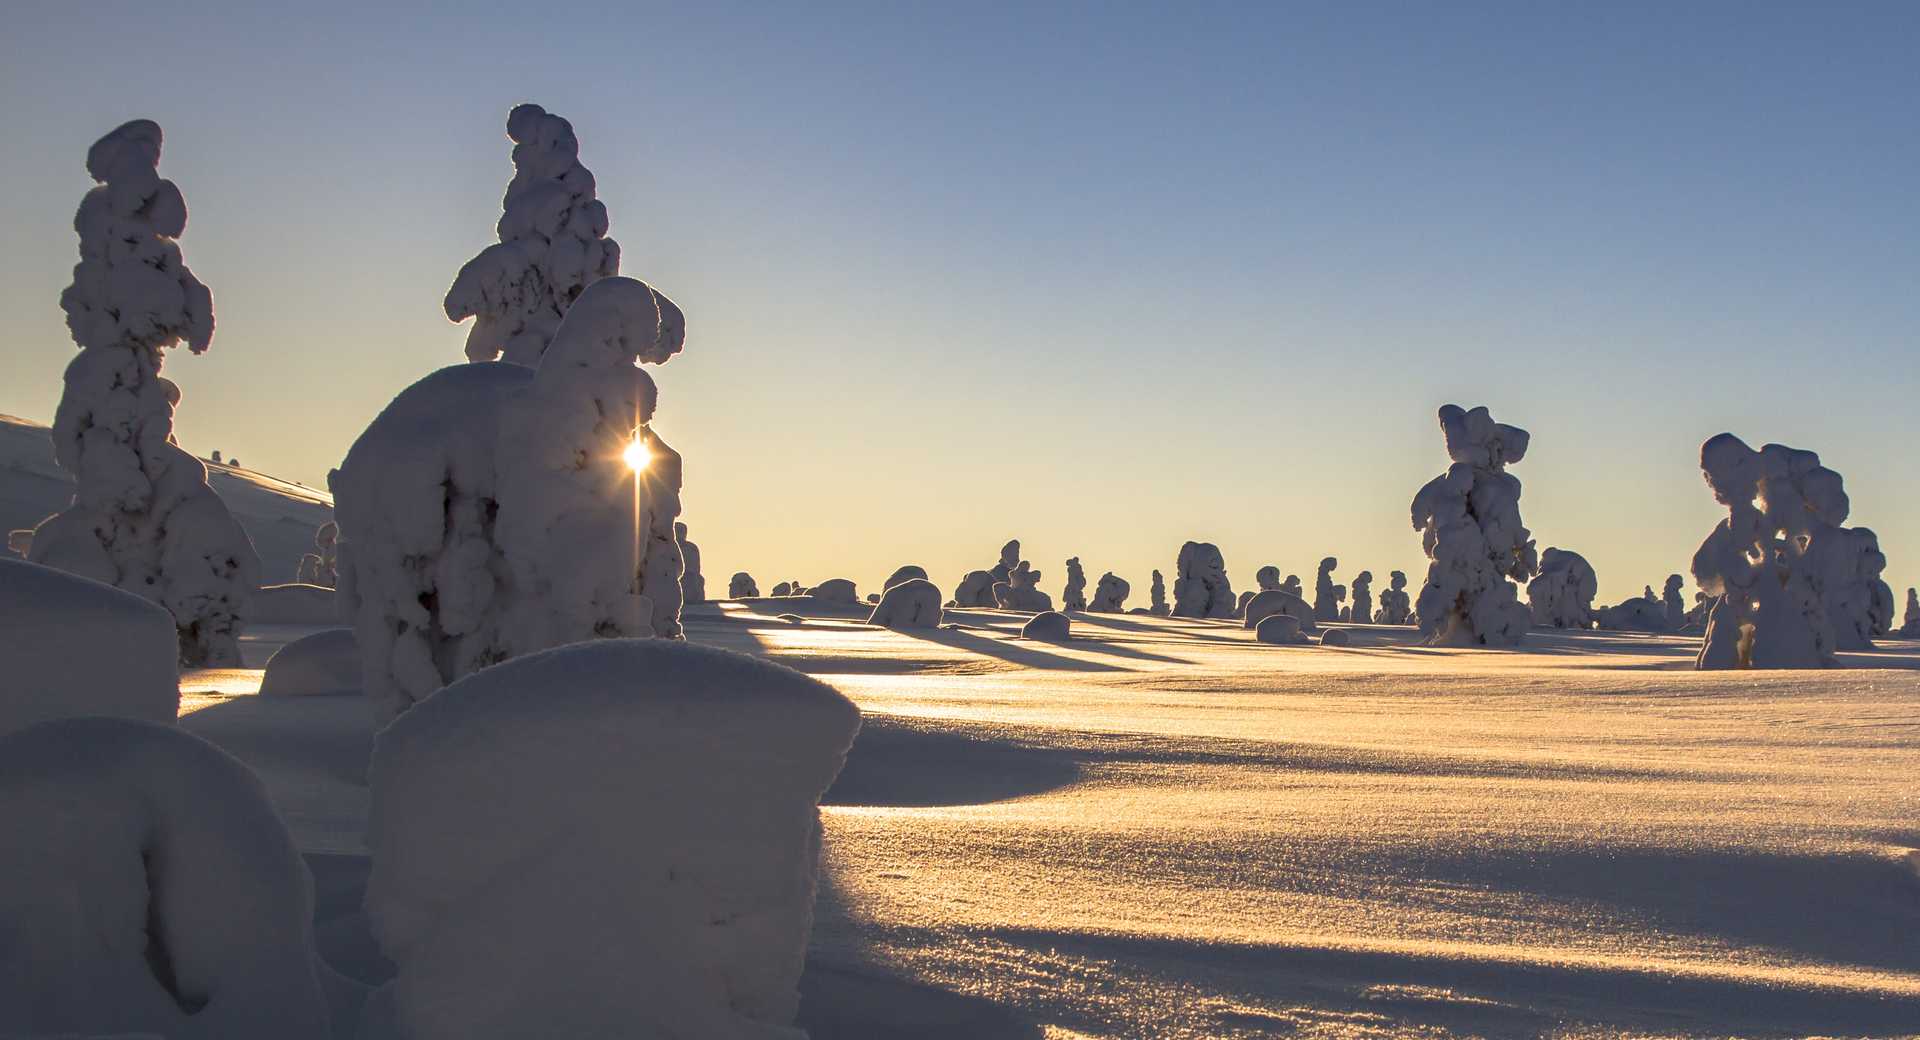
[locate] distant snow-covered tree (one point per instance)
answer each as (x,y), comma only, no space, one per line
(1469,524)
(1561,596)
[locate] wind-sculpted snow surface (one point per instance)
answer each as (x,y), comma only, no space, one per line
(1110,595)
(1200,586)
(142,517)
(72,646)
(643,862)
(1469,524)
(1783,573)
(741,586)
(150,888)
(489,511)
(912,603)
(1327,596)
(552,246)
(1395,605)
(693,585)
(1562,594)
(1074,596)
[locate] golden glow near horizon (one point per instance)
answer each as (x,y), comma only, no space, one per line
(637,454)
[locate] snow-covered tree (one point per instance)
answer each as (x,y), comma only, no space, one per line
(1910,626)
(1021,590)
(1074,596)
(1327,596)
(1561,596)
(741,586)
(1158,594)
(552,246)
(909,603)
(1200,586)
(322,565)
(1673,603)
(1469,524)
(905,573)
(693,585)
(1395,605)
(1110,595)
(142,518)
(1362,597)
(1266,578)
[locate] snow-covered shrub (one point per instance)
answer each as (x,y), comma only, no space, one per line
(838,591)
(325,662)
(143,518)
(1110,596)
(1395,605)
(900,574)
(1469,524)
(1267,577)
(149,888)
(322,565)
(1020,590)
(741,586)
(1074,596)
(72,646)
(693,585)
(913,603)
(1561,595)
(1158,594)
(1335,637)
(616,838)
(1778,561)
(1049,625)
(1200,586)
(489,510)
(1362,609)
(552,246)
(1282,629)
(1266,604)
(1327,596)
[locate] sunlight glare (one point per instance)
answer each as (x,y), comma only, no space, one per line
(637,455)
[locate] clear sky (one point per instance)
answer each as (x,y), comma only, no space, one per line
(1101,277)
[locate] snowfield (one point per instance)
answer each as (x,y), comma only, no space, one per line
(1163,828)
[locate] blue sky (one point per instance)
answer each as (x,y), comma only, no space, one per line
(1104,278)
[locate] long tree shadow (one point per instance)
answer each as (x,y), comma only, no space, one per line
(1008,651)
(896,762)
(1188,631)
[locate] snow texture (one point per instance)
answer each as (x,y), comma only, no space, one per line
(142,517)
(73,646)
(912,603)
(1200,586)
(1020,590)
(1362,609)
(1327,596)
(1283,629)
(906,573)
(693,586)
(1395,605)
(1469,524)
(614,838)
(553,245)
(159,893)
(1278,601)
(741,586)
(326,662)
(1110,595)
(1074,596)
(489,511)
(1048,625)
(1158,593)
(1561,595)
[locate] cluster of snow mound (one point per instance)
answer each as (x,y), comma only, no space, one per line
(614,838)
(836,591)
(1282,629)
(142,516)
(1110,596)
(1074,596)
(1639,614)
(1396,607)
(741,586)
(326,662)
(296,605)
(693,586)
(1200,586)
(906,573)
(1362,609)
(976,587)
(490,509)
(913,603)
(72,646)
(1561,595)
(1327,596)
(1020,590)
(1158,594)
(158,892)
(1266,604)
(1789,585)
(1469,524)
(1048,625)
(553,245)
(322,565)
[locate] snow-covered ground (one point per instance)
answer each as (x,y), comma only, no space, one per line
(1162,828)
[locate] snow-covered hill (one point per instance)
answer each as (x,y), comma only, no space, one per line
(279,516)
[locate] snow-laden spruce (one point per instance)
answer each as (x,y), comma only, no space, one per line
(142,518)
(1074,596)
(1157,594)
(1110,595)
(1362,609)
(150,889)
(1267,577)
(1327,596)
(1200,586)
(1469,524)
(1910,620)
(553,245)
(1790,586)
(1021,590)
(1396,606)
(741,586)
(912,603)
(616,838)
(1673,604)
(322,565)
(1561,595)
(72,646)
(693,585)
(976,587)
(490,509)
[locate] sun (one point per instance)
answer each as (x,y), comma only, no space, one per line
(637,454)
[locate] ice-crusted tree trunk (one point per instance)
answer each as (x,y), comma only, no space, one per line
(142,518)
(1469,524)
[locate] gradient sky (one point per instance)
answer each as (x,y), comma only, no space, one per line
(1103,278)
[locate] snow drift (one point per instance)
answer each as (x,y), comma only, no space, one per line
(73,647)
(326,662)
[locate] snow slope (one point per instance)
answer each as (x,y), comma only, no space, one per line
(279,516)
(1165,829)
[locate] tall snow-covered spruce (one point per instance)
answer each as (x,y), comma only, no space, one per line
(1469,524)
(142,518)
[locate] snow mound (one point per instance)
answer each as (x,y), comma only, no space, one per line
(741,586)
(1335,637)
(1282,629)
(296,604)
(1639,614)
(77,647)
(1274,602)
(616,838)
(1561,595)
(1469,524)
(1049,625)
(913,603)
(907,573)
(837,591)
(326,662)
(159,894)
(1200,586)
